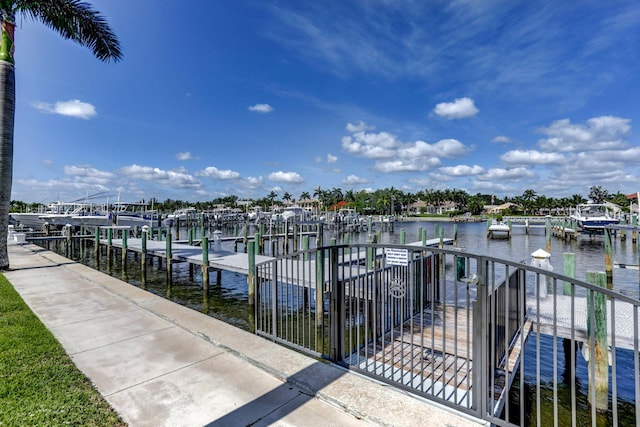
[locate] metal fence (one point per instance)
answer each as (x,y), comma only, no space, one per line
(502,341)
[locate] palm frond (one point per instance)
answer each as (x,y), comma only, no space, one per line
(75,20)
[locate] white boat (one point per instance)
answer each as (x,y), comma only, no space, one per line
(290,213)
(594,217)
(57,213)
(183,214)
(498,229)
(135,214)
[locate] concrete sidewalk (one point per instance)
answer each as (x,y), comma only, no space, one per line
(161,364)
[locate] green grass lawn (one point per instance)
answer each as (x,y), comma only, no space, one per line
(39,384)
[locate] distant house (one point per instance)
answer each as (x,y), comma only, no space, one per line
(421,206)
(498,209)
(634,201)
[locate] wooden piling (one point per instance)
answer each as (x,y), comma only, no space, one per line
(547,224)
(143,258)
(124,249)
(598,346)
(169,255)
(455,235)
(205,263)
(608,261)
(569,270)
(251,252)
(403,237)
(109,244)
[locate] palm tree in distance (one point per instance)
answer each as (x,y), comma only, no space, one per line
(72,19)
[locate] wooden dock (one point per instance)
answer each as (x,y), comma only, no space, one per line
(237,262)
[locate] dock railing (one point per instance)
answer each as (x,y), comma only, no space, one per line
(495,339)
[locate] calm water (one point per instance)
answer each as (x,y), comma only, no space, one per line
(229,302)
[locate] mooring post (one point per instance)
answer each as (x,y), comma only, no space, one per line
(455,234)
(245,239)
(441,230)
(143,257)
(347,242)
(608,263)
(547,225)
(423,236)
(598,346)
(569,270)
(124,249)
(109,241)
(96,243)
(403,237)
(251,252)
(205,263)
(169,255)
(67,229)
(634,233)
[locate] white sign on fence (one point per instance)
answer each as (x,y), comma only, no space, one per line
(397,256)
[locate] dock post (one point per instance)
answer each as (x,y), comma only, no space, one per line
(598,346)
(634,233)
(347,242)
(96,243)
(143,257)
(423,236)
(623,232)
(608,263)
(455,235)
(403,237)
(67,230)
(205,263)
(190,232)
(548,234)
(169,255)
(109,244)
(441,231)
(569,270)
(124,250)
(251,252)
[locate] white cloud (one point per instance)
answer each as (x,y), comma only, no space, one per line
(532,157)
(289,177)
(501,139)
(183,156)
(71,108)
(458,109)
(213,172)
(90,174)
(261,108)
(354,180)
(514,174)
(599,133)
(393,155)
(173,179)
(331,158)
(358,127)
(462,170)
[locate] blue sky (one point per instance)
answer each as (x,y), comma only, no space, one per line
(247,97)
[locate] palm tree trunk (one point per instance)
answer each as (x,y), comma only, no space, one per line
(7,114)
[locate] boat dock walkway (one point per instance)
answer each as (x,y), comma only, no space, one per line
(161,364)
(237,262)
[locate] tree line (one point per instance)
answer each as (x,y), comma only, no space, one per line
(388,201)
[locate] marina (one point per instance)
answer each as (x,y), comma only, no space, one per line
(397,352)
